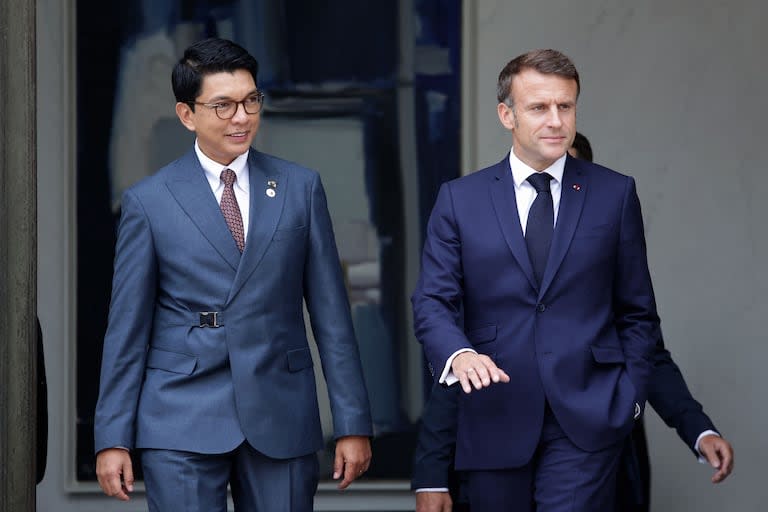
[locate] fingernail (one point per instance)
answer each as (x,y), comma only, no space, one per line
(130,487)
(335,475)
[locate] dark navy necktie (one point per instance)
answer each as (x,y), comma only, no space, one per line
(541,220)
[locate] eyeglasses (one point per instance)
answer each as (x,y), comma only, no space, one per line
(227,109)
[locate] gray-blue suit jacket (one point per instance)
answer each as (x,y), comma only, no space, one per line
(168,383)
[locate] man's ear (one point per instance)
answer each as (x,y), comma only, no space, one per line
(186,116)
(506,116)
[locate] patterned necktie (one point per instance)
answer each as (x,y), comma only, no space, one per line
(541,219)
(230,209)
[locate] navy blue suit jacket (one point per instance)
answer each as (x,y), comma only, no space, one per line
(583,340)
(168,383)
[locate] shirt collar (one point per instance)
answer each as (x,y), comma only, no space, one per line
(521,171)
(213,169)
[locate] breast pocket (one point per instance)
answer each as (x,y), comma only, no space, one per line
(289,233)
(595,231)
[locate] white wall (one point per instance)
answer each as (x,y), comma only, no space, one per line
(672,94)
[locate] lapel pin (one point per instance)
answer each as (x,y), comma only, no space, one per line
(270,192)
(576,187)
(271,186)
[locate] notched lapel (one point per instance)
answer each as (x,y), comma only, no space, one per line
(193,193)
(574,191)
(504,200)
(265,211)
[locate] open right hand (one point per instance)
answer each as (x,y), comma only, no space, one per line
(115,472)
(476,370)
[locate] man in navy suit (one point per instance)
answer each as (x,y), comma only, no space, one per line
(439,489)
(534,273)
(206,367)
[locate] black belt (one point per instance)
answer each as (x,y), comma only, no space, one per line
(210,319)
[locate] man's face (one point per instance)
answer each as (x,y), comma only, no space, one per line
(543,119)
(222,140)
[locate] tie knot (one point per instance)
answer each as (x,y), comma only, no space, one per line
(540,181)
(228,176)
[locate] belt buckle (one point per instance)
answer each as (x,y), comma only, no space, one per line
(209,319)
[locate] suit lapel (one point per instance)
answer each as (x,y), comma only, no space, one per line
(574,191)
(505,203)
(192,191)
(264,214)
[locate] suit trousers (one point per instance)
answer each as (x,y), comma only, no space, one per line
(194,482)
(560,478)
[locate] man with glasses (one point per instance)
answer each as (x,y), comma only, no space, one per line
(206,367)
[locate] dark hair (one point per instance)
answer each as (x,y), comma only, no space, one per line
(205,57)
(582,146)
(547,62)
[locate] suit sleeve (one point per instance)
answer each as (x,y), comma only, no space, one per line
(437,299)
(328,305)
(670,397)
(436,444)
(128,330)
(635,314)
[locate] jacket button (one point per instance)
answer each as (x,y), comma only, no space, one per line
(541,308)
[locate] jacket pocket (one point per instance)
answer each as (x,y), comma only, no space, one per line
(608,355)
(482,335)
(282,234)
(298,359)
(171,361)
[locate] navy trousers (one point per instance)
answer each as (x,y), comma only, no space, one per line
(560,478)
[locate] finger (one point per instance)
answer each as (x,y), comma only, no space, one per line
(708,451)
(351,472)
(128,475)
(109,481)
(338,465)
(495,374)
(113,487)
(484,376)
(474,378)
(464,381)
(726,464)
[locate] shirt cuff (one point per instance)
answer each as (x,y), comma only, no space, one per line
(702,459)
(448,377)
(432,489)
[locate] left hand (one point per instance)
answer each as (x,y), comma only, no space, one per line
(353,456)
(428,501)
(719,454)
